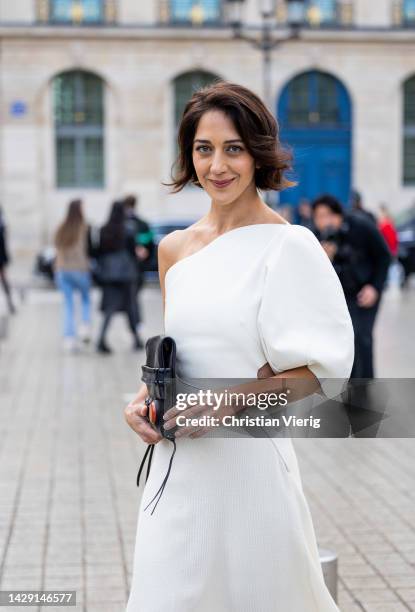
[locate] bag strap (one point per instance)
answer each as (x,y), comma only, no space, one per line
(149,452)
(163,484)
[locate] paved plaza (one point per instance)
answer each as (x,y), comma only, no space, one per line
(68,464)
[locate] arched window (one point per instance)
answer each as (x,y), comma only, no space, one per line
(184,86)
(315,116)
(409,132)
(313,99)
(79,128)
(197,11)
(77,11)
(409,11)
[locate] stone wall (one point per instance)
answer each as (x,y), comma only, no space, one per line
(138,66)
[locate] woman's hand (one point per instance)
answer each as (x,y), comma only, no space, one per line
(305,384)
(142,252)
(330,248)
(135,414)
(196,411)
(367,296)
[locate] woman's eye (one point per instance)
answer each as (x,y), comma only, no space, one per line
(231,148)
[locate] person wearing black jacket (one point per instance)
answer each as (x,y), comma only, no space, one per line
(143,237)
(4,260)
(361,259)
(116,273)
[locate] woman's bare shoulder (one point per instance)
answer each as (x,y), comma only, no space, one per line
(171,245)
(183,242)
(273,217)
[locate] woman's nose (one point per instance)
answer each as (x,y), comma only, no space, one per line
(218,164)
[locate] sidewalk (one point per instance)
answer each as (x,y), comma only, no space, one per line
(68,463)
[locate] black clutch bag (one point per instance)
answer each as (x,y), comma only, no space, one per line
(159,374)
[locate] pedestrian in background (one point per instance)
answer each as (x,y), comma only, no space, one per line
(72,274)
(117,273)
(388,230)
(144,241)
(361,259)
(357,207)
(304,214)
(4,261)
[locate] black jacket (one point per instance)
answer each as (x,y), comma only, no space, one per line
(143,235)
(362,256)
(4,255)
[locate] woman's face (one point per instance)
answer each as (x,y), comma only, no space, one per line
(222,163)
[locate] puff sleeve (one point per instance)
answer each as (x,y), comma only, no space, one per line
(303,318)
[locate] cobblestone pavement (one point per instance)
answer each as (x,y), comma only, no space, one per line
(68,462)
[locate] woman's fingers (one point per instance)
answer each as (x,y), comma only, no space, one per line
(135,416)
(142,410)
(189,413)
(136,413)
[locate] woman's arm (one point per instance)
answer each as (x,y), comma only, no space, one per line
(135,414)
(136,411)
(304,384)
(167,254)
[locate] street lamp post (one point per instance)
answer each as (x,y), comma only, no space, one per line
(266,43)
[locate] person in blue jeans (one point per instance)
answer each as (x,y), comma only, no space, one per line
(72,274)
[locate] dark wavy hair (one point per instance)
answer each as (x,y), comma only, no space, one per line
(113,232)
(330,201)
(256,126)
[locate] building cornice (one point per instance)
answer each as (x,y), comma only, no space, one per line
(151,33)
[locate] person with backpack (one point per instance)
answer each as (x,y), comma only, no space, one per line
(117,272)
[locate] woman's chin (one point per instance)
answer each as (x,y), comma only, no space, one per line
(223,198)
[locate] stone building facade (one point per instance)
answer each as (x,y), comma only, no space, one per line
(90,91)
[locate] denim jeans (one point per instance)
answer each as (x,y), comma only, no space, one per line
(68,282)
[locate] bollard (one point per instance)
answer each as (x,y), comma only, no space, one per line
(328,560)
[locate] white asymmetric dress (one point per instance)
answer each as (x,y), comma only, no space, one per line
(233,531)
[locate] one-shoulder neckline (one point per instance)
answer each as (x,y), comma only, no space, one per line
(215,240)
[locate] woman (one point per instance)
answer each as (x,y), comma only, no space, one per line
(246,295)
(118,273)
(72,273)
(4,260)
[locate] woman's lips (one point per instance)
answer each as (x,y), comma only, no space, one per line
(222,184)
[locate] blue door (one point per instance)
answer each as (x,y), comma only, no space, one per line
(314,113)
